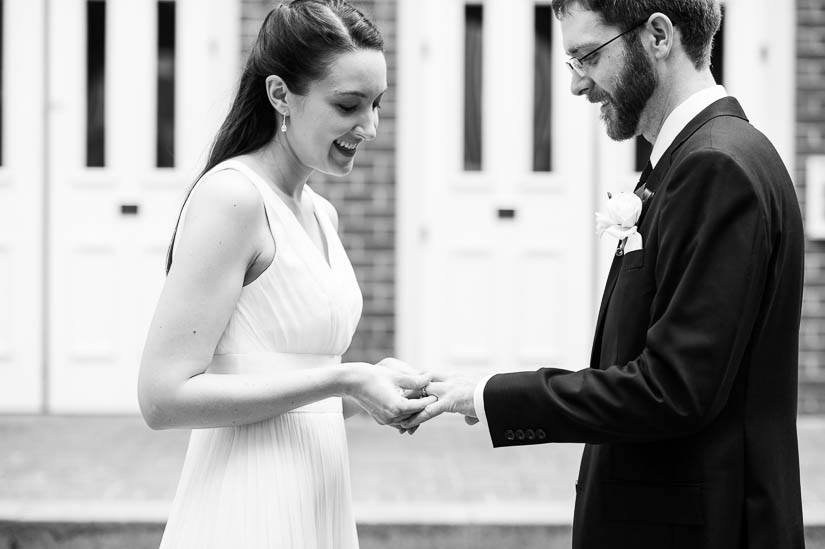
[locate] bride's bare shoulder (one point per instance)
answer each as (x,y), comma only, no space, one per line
(228,191)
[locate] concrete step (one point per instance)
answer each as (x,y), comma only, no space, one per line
(139,535)
(100,482)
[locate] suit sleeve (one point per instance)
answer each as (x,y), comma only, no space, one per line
(709,276)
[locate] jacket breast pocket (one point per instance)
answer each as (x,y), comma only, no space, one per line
(634,260)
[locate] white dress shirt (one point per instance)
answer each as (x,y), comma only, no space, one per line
(681,116)
(675,122)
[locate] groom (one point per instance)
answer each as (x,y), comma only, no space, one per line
(688,407)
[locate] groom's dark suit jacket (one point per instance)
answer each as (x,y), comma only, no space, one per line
(688,408)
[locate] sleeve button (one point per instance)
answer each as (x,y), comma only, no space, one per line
(540,434)
(509,434)
(519,434)
(531,434)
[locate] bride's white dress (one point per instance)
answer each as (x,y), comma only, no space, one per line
(283,482)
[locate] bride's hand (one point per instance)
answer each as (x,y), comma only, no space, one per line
(404,368)
(455,394)
(380,392)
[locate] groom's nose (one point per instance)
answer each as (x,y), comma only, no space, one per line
(579,85)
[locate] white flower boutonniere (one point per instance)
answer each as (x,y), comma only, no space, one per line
(619,221)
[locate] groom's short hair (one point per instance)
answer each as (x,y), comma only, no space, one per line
(697,20)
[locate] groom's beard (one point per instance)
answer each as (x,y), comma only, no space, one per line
(634,87)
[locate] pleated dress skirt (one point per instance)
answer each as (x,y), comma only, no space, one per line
(279,483)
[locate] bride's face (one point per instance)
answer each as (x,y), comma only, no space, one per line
(338,112)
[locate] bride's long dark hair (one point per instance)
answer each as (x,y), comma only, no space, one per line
(297,41)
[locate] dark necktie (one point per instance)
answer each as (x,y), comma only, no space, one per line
(641,190)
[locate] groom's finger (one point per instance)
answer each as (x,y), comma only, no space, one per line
(441,376)
(438,388)
(414,421)
(411,393)
(431,411)
(412,407)
(414,381)
(409,431)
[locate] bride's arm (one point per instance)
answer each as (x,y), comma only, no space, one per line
(224,228)
(351,407)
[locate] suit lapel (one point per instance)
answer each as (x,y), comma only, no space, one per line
(727,106)
(612,276)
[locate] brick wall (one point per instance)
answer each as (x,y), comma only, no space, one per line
(365,199)
(810,140)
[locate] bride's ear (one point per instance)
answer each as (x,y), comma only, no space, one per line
(278,93)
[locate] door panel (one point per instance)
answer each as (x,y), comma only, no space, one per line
(21,208)
(494,262)
(760,67)
(111,223)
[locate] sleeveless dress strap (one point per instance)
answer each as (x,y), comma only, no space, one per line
(268,195)
(231,164)
(286,216)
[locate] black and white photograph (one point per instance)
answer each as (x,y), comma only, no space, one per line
(412,274)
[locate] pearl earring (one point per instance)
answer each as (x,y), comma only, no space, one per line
(283,126)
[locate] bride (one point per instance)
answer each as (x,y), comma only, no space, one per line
(261,301)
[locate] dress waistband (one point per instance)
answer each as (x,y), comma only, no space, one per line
(272,364)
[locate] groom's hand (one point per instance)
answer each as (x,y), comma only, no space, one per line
(381,392)
(404,368)
(455,394)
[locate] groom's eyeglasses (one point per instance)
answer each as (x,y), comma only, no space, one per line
(576,64)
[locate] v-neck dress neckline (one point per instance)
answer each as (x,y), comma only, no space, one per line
(287,212)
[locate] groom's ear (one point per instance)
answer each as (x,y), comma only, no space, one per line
(660,36)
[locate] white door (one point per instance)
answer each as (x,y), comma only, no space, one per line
(490,293)
(137,89)
(760,67)
(21,206)
(496,237)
